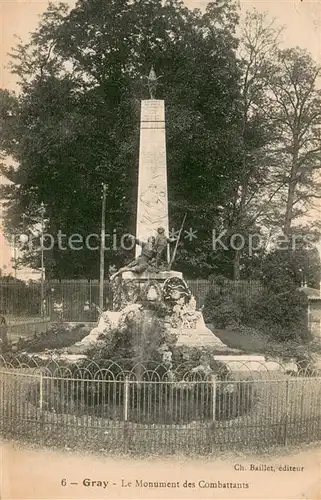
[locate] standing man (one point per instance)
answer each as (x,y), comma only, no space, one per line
(161,246)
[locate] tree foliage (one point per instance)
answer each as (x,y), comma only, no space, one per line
(77,123)
(280,130)
(242,117)
(295,105)
(258,42)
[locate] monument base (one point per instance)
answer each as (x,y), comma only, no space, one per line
(163,290)
(198,338)
(132,288)
(151,276)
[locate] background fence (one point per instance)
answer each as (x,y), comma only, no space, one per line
(71,300)
(151,409)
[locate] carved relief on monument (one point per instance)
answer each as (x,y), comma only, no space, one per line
(183,305)
(124,292)
(153,206)
(152,291)
(117,294)
(174,289)
(131,290)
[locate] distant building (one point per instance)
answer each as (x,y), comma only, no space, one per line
(314,310)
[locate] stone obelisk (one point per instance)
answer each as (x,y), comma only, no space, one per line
(152,200)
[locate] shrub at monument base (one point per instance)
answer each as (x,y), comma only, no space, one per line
(224,311)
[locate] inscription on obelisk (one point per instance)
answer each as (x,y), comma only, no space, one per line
(152,205)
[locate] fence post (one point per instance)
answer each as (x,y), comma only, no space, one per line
(41,408)
(214,385)
(126,394)
(126,400)
(41,393)
(285,438)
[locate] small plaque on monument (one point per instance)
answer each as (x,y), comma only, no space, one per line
(152,111)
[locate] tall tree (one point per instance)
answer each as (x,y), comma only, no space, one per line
(78,119)
(295,104)
(259,38)
(280,131)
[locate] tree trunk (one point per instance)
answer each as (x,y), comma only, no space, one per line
(291,188)
(238,225)
(236,265)
(289,207)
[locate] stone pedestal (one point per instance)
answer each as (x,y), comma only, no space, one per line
(198,337)
(185,321)
(160,277)
(136,287)
(201,336)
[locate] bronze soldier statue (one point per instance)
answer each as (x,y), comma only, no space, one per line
(161,247)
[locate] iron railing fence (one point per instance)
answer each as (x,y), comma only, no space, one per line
(72,300)
(152,409)
(18,299)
